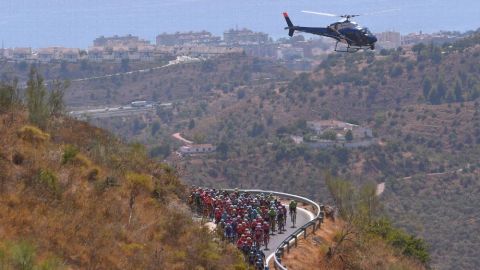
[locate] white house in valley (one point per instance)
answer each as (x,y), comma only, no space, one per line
(197,149)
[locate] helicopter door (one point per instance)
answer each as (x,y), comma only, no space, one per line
(357,37)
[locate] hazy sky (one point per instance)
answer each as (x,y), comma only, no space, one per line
(75,23)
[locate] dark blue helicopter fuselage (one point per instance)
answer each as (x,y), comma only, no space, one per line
(353,36)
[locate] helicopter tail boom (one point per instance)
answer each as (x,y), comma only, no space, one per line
(291,27)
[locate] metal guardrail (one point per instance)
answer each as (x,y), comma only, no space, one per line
(279,251)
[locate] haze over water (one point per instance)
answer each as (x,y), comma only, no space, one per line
(73,23)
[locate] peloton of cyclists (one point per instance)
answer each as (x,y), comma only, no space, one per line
(242,218)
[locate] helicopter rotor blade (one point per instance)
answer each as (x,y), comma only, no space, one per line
(381,12)
(321,13)
(350,16)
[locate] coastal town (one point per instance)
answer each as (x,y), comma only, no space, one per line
(296,53)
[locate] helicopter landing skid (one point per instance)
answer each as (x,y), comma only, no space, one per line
(349,49)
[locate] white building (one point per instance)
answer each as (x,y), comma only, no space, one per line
(95,54)
(22,54)
(197,149)
(389,40)
(70,54)
(288,52)
(340,127)
(146,53)
(120,53)
(46,55)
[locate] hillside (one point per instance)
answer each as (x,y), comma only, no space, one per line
(75,197)
(377,255)
(176,83)
(422,104)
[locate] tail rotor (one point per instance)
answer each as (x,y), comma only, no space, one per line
(291,27)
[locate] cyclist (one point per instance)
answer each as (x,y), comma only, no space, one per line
(266,234)
(229,232)
(258,235)
(293,212)
(280,220)
(272,214)
(284,209)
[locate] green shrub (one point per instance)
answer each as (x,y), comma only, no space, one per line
(51,264)
(23,256)
(32,134)
(409,245)
(137,182)
(49,180)
(69,153)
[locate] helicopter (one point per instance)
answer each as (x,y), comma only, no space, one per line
(345,31)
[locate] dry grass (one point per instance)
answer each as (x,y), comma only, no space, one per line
(311,253)
(80,210)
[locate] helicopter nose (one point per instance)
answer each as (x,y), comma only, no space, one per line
(373,39)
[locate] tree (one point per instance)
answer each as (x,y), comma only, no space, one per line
(450,96)
(9,96)
(136,184)
(427,86)
(434,97)
(241,94)
(191,124)
(155,128)
(36,95)
(222,150)
(163,150)
(458,91)
(125,65)
(349,136)
(55,99)
(199,138)
(256,130)
(329,135)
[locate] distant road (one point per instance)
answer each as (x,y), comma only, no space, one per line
(179,60)
(179,137)
(112,112)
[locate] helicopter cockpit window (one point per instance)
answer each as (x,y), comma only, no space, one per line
(366,31)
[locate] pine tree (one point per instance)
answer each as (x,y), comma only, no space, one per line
(36,95)
(427,86)
(349,136)
(55,99)
(458,91)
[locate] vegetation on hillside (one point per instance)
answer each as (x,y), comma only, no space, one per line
(364,223)
(421,102)
(75,197)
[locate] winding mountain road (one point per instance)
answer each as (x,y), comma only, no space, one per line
(303,217)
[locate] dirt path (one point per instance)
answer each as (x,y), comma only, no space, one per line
(179,137)
(380,189)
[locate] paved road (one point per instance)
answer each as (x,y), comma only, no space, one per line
(115,111)
(179,60)
(303,217)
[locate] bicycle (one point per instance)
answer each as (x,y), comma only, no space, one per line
(293,217)
(266,240)
(281,224)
